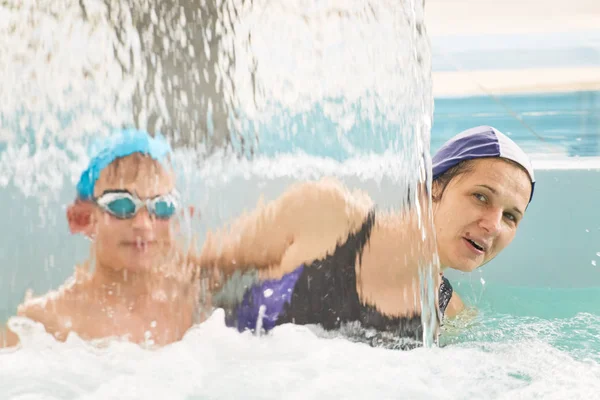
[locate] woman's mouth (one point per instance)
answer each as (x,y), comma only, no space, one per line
(475,246)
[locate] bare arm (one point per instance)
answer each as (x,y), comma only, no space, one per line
(303,224)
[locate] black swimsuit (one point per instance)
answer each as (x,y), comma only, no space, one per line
(324,293)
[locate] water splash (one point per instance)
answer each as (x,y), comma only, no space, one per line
(216,362)
(249,87)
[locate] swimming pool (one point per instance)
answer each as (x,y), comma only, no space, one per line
(527,341)
(537,330)
(540,297)
(564,145)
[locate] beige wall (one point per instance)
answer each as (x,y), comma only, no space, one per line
(464,20)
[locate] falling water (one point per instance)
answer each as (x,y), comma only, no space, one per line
(254,94)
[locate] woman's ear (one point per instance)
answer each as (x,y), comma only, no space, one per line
(79,216)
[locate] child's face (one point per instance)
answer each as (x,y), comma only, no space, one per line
(142,242)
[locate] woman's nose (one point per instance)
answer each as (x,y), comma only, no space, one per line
(491,220)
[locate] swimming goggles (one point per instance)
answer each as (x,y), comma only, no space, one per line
(124,205)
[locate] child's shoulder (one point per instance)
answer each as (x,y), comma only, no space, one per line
(54,309)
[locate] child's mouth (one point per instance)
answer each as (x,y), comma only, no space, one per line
(140,244)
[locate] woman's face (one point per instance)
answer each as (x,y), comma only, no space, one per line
(479,211)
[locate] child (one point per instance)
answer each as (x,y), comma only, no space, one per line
(140,288)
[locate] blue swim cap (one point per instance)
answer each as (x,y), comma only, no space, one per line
(480,142)
(120,144)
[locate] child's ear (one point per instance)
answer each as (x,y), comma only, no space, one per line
(79,216)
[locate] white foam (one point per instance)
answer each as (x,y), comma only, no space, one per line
(213,361)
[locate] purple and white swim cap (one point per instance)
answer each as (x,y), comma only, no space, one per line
(480,142)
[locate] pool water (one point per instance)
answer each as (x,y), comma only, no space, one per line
(533,333)
(550,124)
(566,319)
(501,357)
(532,330)
(533,325)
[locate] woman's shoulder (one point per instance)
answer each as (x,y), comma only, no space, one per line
(328,196)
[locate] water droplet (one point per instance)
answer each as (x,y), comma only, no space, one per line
(482,281)
(153,324)
(594,263)
(598,254)
(268,292)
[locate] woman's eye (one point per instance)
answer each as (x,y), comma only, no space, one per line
(480,197)
(510,217)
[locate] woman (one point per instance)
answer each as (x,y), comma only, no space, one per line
(322,255)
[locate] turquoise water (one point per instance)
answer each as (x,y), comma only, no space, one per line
(565,124)
(567,319)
